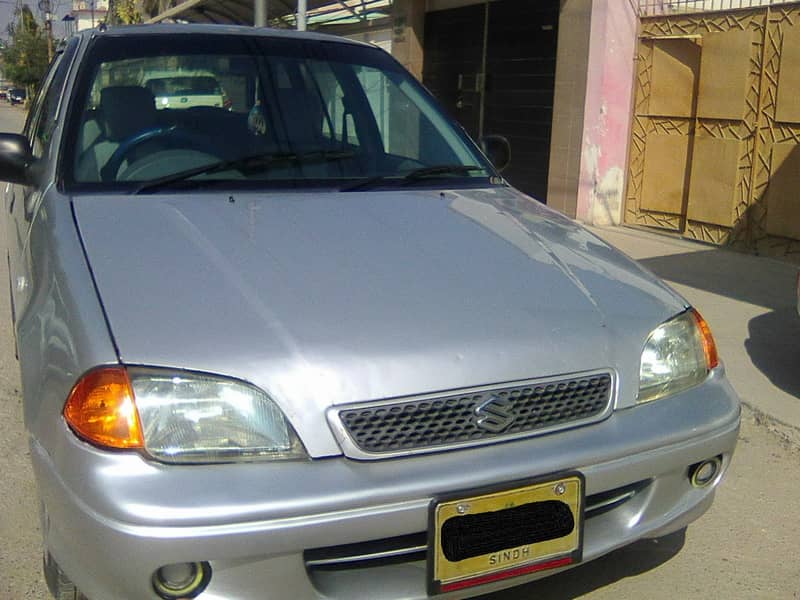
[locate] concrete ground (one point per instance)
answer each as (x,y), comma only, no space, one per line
(744,548)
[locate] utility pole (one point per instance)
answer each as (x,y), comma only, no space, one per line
(46,8)
(302,11)
(260,13)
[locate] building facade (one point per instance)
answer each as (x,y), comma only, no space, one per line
(661,113)
(88,14)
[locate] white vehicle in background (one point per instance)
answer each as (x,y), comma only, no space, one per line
(186,89)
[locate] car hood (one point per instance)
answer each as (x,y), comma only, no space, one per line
(330,298)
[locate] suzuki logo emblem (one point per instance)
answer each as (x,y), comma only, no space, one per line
(494,414)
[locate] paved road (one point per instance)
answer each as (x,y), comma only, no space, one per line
(20,547)
(744,548)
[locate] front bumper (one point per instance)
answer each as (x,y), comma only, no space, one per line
(112,519)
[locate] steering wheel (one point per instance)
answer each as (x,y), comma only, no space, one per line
(171,137)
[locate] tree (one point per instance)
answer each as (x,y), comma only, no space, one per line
(25,57)
(25,20)
(126,13)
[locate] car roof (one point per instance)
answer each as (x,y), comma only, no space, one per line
(215,29)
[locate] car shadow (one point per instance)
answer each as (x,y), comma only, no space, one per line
(629,561)
(774,345)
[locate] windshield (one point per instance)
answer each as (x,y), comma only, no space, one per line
(259,112)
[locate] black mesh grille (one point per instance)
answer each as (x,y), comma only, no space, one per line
(459,418)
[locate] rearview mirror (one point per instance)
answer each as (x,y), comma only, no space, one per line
(15,158)
(497,149)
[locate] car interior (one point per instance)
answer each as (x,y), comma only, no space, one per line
(124,137)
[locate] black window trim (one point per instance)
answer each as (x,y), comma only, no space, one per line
(65,57)
(64,53)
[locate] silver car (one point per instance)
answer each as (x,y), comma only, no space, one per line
(314,346)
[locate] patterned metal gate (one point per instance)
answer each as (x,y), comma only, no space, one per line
(715,148)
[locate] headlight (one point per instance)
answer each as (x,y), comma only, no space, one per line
(677,355)
(180,417)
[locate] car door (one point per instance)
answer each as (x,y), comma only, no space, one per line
(22,201)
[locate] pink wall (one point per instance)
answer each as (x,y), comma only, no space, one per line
(607,115)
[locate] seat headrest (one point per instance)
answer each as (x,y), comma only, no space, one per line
(127,109)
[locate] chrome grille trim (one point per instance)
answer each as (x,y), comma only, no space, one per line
(404,548)
(353,449)
(610,502)
(603,502)
(345,560)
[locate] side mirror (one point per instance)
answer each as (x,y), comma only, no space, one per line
(15,158)
(497,149)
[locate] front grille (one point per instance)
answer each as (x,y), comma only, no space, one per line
(476,416)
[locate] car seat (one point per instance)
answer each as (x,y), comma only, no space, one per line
(124,111)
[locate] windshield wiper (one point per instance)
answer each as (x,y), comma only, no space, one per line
(244,164)
(415,175)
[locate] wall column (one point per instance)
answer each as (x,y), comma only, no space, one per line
(593,107)
(608,113)
(569,103)
(408,24)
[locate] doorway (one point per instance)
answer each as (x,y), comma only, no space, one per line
(492,65)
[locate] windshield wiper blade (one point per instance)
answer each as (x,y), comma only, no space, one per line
(223,165)
(415,175)
(253,162)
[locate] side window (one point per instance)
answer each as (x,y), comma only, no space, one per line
(399,121)
(47,102)
(378,90)
(409,127)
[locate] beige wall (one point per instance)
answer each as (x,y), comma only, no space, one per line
(408,34)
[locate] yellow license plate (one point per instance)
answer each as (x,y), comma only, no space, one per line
(478,539)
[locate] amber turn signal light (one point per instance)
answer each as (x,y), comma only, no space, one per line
(101,409)
(709,346)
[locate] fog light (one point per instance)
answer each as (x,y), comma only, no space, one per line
(704,473)
(181,580)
